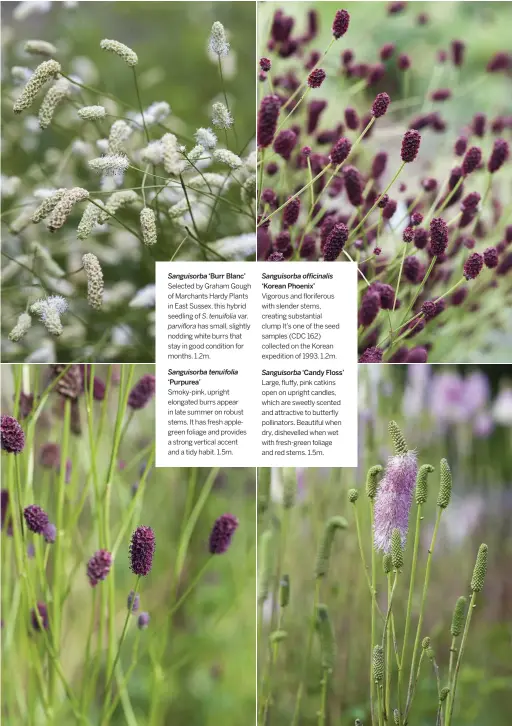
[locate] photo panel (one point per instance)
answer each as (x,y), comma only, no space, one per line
(128,138)
(128,591)
(383,590)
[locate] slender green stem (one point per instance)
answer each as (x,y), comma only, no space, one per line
(399,276)
(126,679)
(420,288)
(387,698)
(260,178)
(189,206)
(299,89)
(393,180)
(95,90)
(309,643)
(322,713)
(141,108)
(127,373)
(363,560)
(58,571)
(121,641)
(83,704)
(453,686)
(409,599)
(380,704)
(189,589)
(321,173)
(449,196)
(415,679)
(482,204)
(453,650)
(302,98)
(181,554)
(412,683)
(275,651)
(372,630)
(226,98)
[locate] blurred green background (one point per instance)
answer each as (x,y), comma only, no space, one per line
(170,39)
(441,411)
(209,667)
(482,26)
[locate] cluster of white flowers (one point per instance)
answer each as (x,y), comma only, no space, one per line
(110,163)
(49,311)
(178,176)
(218,44)
(154,114)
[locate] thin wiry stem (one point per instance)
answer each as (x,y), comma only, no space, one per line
(412,682)
(309,643)
(121,640)
(226,99)
(409,599)
(321,173)
(453,686)
(373,608)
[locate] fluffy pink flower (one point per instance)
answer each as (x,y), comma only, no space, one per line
(394,499)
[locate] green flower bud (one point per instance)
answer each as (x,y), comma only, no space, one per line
(278,636)
(396,716)
(324,549)
(445,489)
(397,554)
(289,487)
(378,663)
(353,496)
(326,637)
(477,581)
(284,591)
(263,489)
(443,693)
(387,563)
(265,565)
(422,483)
(399,442)
(425,643)
(371,481)
(459,613)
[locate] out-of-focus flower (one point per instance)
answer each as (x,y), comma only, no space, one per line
(502,408)
(415,393)
(447,400)
(483,424)
(477,391)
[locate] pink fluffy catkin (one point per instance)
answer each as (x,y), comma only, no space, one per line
(394,496)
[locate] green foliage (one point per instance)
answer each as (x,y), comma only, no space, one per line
(191,668)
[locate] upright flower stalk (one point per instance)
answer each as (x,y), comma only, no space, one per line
(443,499)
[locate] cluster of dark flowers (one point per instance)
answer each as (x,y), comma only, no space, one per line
(340,193)
(70,383)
